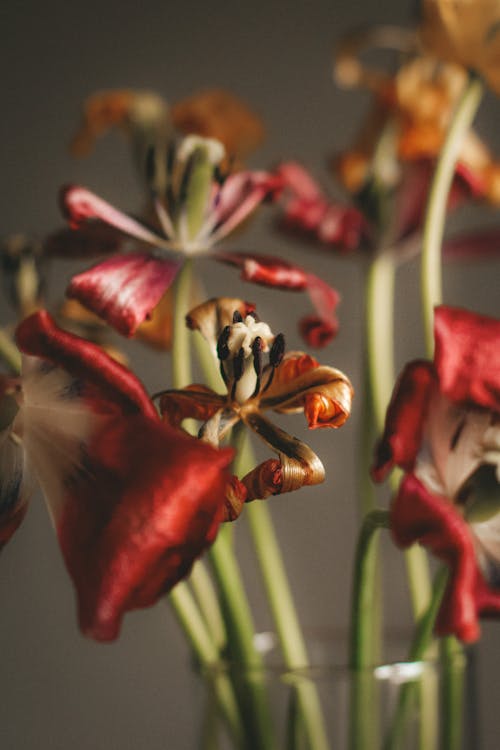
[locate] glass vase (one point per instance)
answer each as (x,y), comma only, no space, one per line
(397,705)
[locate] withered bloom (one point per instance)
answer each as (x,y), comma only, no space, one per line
(286,383)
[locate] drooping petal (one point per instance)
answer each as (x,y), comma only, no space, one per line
(124,289)
(299,465)
(318,330)
(94,371)
(80,205)
(212,316)
(133,525)
(194,401)
(405,419)
(301,384)
(420,516)
(239,196)
(467,357)
(482,244)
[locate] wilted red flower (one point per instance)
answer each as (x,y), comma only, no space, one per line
(134,501)
(443,430)
(198,208)
(289,383)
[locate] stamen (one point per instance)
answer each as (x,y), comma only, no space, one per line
(222,345)
(257,347)
(238,363)
(237,317)
(277,350)
(253,315)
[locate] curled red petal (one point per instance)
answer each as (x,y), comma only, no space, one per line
(132,526)
(419,516)
(124,289)
(405,419)
(299,181)
(266,270)
(39,336)
(467,357)
(239,196)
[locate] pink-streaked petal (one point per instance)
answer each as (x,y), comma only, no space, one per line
(266,270)
(92,238)
(467,357)
(299,182)
(419,516)
(132,527)
(318,330)
(405,419)
(124,289)
(39,336)
(479,245)
(79,205)
(239,196)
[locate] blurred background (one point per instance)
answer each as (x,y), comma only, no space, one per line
(58,690)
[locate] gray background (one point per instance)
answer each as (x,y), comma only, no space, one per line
(58,690)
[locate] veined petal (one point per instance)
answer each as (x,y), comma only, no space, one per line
(212,316)
(301,384)
(133,525)
(94,371)
(124,289)
(194,401)
(239,196)
(417,515)
(467,357)
(299,464)
(266,270)
(79,205)
(405,419)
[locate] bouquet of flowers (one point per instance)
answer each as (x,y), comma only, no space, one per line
(145,490)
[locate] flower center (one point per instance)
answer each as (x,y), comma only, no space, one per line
(239,348)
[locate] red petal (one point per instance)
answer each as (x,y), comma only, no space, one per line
(124,289)
(467,357)
(299,181)
(131,529)
(266,270)
(319,330)
(239,196)
(79,204)
(40,337)
(405,419)
(419,516)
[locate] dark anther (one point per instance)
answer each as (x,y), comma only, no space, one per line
(222,347)
(253,315)
(456,435)
(237,317)
(219,175)
(277,350)
(257,354)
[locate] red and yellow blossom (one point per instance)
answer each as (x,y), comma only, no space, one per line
(134,501)
(443,429)
(287,383)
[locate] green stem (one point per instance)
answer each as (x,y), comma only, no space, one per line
(181,355)
(205,595)
(9,352)
(419,647)
(437,202)
(188,615)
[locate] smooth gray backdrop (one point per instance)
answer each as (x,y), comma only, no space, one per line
(58,690)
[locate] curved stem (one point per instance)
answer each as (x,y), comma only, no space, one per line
(437,202)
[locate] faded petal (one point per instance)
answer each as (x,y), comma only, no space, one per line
(124,289)
(467,357)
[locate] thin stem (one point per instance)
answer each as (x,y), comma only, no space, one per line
(205,595)
(437,202)
(9,352)
(181,356)
(187,613)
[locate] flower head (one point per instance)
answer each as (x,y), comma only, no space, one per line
(259,376)
(443,430)
(134,502)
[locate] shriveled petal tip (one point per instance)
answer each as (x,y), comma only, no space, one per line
(39,336)
(467,357)
(124,289)
(132,527)
(194,401)
(419,516)
(317,332)
(266,270)
(212,316)
(405,418)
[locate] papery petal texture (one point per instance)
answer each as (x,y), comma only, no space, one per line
(467,357)
(124,289)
